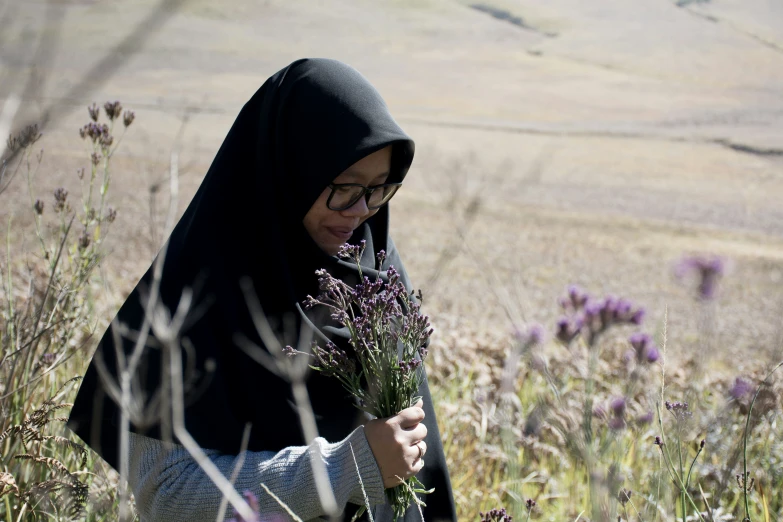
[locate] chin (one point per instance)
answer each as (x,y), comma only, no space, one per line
(331,248)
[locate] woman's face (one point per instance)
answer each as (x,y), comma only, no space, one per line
(330,229)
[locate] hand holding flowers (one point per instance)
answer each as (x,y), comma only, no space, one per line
(388,337)
(398,444)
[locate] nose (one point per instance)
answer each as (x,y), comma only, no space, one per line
(357,209)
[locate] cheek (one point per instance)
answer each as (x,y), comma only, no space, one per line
(316,214)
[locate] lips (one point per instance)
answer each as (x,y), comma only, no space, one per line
(342,233)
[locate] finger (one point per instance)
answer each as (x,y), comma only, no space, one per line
(409,438)
(417,433)
(410,417)
(417,467)
(423,445)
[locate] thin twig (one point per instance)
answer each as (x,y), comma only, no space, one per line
(281,365)
(361,484)
(237,468)
(282,504)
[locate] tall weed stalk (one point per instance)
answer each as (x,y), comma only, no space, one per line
(47,318)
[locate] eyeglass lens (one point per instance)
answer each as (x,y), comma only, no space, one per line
(346,196)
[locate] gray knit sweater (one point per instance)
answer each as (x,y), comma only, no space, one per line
(169,486)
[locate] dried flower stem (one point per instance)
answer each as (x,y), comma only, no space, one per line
(361,484)
(281,365)
(237,468)
(671,469)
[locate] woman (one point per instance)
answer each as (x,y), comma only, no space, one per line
(274,207)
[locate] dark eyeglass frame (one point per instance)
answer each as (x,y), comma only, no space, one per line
(366,193)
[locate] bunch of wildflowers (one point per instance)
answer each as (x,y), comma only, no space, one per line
(592,317)
(586,320)
(388,335)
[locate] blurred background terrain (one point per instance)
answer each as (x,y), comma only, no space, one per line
(604,139)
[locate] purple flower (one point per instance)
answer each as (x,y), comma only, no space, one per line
(333,361)
(745,482)
(640,342)
(93,111)
(616,423)
(84,240)
(252,501)
(741,389)
(644,419)
(128,118)
(577,297)
(592,311)
(594,316)
(96,132)
(60,196)
(658,440)
(340,316)
(637,317)
(38,206)
(498,515)
(608,311)
(536,334)
(618,406)
(533,335)
(113,109)
(568,329)
(708,271)
(380,257)
(679,410)
(407,367)
(352,252)
(643,348)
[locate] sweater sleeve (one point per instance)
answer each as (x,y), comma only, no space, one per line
(169,485)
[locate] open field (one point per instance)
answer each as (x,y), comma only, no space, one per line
(602,141)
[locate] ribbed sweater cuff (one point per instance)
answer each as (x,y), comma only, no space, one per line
(362,461)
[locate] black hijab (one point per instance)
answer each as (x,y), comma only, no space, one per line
(306,124)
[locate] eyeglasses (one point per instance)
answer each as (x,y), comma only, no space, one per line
(345,195)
